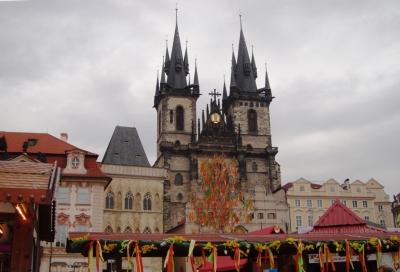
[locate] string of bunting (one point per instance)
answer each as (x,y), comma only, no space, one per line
(238,250)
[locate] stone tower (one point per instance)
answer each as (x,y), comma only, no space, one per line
(238,127)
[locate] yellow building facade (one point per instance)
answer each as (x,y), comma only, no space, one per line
(308,200)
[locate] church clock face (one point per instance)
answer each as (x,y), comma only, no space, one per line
(215,118)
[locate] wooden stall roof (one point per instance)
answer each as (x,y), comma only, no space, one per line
(340,219)
(26,182)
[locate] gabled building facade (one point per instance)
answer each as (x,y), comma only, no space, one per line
(79,202)
(238,127)
(309,200)
(133,201)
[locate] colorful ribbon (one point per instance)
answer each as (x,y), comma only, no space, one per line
(99,255)
(299,257)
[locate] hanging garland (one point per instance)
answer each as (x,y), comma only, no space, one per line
(238,250)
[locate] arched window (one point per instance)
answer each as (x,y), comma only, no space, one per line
(179,197)
(147,202)
(179,118)
(252,120)
(147,230)
(137,230)
(156,230)
(110,200)
(128,201)
(118,229)
(178,179)
(128,230)
(108,229)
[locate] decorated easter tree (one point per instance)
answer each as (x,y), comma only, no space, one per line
(219,205)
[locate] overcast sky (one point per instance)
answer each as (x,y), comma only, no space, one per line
(83,67)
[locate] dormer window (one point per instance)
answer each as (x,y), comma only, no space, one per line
(32,142)
(75,162)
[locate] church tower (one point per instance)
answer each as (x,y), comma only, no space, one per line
(175,101)
(238,126)
(247,108)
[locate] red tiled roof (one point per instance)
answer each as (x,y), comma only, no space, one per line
(46,143)
(54,149)
(340,219)
(287,186)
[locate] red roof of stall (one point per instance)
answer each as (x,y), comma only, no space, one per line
(340,219)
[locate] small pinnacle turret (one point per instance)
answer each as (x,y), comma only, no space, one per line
(196,77)
(157,86)
(186,62)
(224,94)
(266,79)
(253,63)
(162,73)
(167,62)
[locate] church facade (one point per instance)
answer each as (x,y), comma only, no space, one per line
(238,126)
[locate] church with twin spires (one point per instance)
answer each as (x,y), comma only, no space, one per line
(238,125)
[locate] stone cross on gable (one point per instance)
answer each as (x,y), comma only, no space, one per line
(215,94)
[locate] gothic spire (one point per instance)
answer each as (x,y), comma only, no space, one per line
(266,79)
(176,76)
(253,63)
(245,80)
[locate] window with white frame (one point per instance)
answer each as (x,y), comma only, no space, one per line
(271,215)
(260,215)
(83,196)
(332,201)
(355,203)
(358,189)
(61,235)
(366,217)
(344,202)
(302,188)
(82,228)
(63,195)
(310,220)
(297,202)
(365,204)
(380,208)
(298,221)
(309,203)
(383,222)
(319,203)
(332,188)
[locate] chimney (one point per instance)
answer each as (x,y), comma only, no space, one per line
(64,137)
